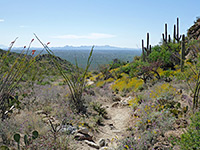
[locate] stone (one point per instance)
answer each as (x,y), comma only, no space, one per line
(68,129)
(125,101)
(92,144)
(174,133)
(102,142)
(71,129)
(43,115)
(56,122)
(162,146)
(106,148)
(180,123)
(81,137)
(89,82)
(116,98)
(40,112)
(46,119)
(115,104)
(107,116)
(179,91)
(83,130)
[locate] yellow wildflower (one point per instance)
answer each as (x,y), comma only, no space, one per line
(126,146)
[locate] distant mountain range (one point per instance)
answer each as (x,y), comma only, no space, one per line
(67,47)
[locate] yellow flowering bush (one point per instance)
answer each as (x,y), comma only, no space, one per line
(120,84)
(134,101)
(126,83)
(100,83)
(110,80)
(162,90)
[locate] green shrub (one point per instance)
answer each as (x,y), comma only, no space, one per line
(190,140)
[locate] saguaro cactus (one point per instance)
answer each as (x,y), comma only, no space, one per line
(169,38)
(164,35)
(182,53)
(176,32)
(143,53)
(147,48)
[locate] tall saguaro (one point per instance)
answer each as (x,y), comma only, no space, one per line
(147,49)
(176,32)
(182,53)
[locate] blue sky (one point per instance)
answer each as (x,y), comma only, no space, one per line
(121,23)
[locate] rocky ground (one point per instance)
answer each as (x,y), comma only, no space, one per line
(113,128)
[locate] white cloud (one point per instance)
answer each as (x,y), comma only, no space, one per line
(90,36)
(2,20)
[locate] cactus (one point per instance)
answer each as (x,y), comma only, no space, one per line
(147,48)
(17,139)
(174,40)
(143,53)
(34,134)
(169,38)
(164,35)
(176,32)
(182,53)
(27,140)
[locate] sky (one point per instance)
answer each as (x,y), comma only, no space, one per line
(121,23)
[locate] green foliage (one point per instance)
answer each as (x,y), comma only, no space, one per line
(190,140)
(99,109)
(164,53)
(105,71)
(160,54)
(116,63)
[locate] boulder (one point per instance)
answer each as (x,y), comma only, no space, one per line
(83,130)
(92,144)
(102,142)
(115,104)
(81,137)
(68,129)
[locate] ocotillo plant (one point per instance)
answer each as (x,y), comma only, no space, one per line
(147,49)
(77,81)
(176,32)
(11,78)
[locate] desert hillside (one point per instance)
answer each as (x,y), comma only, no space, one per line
(151,102)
